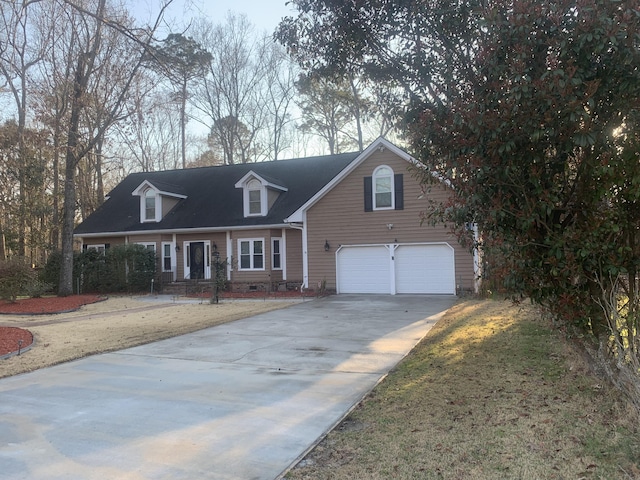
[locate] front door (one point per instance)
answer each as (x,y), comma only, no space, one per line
(196,260)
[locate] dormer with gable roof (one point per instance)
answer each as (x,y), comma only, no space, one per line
(157,199)
(259,193)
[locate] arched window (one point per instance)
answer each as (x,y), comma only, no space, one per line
(149,205)
(383,193)
(254,191)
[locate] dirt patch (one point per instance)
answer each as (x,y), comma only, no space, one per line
(117,323)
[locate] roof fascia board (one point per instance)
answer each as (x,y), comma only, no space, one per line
(380,143)
(180,231)
(146,183)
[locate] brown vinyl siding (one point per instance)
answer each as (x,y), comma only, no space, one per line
(294,255)
(144,239)
(251,276)
(293,251)
(168,203)
(111,241)
(218,238)
(339,218)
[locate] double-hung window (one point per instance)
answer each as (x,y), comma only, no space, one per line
(98,248)
(166,257)
(251,254)
(276,253)
(383,188)
(151,246)
(254,194)
(149,205)
(255,202)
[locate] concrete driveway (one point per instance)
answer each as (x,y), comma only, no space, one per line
(241,401)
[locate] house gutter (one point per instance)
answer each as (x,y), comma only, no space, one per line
(302,226)
(180,231)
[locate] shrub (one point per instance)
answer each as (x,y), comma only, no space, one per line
(129,268)
(16,276)
(50,274)
(121,268)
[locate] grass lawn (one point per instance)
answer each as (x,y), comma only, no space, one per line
(492,392)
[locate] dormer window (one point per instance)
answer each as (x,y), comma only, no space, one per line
(254,191)
(258,194)
(149,205)
(157,199)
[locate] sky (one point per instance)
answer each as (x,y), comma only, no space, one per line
(264,14)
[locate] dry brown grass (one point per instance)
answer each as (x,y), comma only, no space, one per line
(119,322)
(492,392)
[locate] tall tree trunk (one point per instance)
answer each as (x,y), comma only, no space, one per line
(3,250)
(99,181)
(183,122)
(22,208)
(65,286)
(357,112)
(55,219)
(81,80)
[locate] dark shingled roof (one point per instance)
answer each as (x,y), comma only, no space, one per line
(212,199)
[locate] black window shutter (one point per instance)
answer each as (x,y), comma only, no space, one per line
(399,191)
(84,247)
(106,246)
(368,190)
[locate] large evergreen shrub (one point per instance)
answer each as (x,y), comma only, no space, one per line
(16,278)
(122,268)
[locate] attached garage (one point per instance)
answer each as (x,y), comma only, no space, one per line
(396,268)
(364,269)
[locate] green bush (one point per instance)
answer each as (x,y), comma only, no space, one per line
(38,288)
(50,274)
(129,268)
(121,268)
(16,277)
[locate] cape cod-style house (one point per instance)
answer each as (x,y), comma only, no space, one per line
(348,223)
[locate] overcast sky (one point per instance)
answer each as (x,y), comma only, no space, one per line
(264,14)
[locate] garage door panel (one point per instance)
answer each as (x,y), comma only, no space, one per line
(364,270)
(425,269)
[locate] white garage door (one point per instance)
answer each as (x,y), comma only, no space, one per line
(426,269)
(364,270)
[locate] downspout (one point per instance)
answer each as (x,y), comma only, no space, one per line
(229,255)
(283,258)
(174,258)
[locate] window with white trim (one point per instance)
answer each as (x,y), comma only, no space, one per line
(276,253)
(151,246)
(251,254)
(98,248)
(149,205)
(383,194)
(254,201)
(166,257)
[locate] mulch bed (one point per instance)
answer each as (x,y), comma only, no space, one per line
(258,295)
(47,305)
(13,339)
